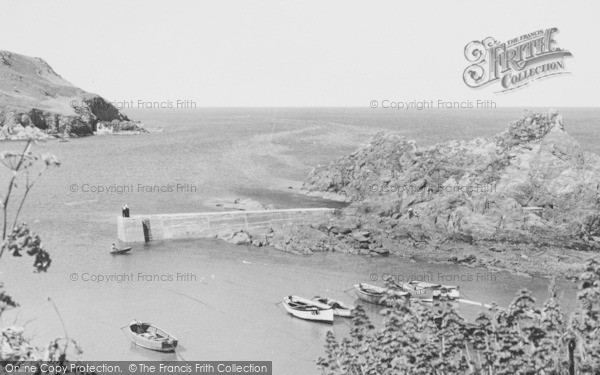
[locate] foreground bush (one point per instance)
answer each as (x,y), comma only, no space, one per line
(25,169)
(421,339)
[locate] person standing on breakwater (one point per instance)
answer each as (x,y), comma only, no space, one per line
(125,210)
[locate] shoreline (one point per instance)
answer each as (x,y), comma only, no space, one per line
(518,259)
(517,262)
(381,237)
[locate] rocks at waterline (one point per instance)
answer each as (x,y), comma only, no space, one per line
(33,95)
(240,238)
(119,126)
(304,239)
(242,205)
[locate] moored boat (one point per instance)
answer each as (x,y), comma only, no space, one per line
(339,308)
(309,310)
(421,289)
(120,251)
(375,294)
(150,337)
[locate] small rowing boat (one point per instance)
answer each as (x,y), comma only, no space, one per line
(424,290)
(375,294)
(120,251)
(339,307)
(308,310)
(150,337)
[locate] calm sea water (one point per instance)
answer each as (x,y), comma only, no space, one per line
(223,307)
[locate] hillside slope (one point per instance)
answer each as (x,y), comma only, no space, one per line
(33,94)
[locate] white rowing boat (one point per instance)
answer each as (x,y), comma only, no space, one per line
(375,294)
(339,308)
(424,290)
(120,251)
(150,337)
(308,310)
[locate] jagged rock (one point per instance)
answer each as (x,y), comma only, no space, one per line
(468,259)
(242,205)
(362,233)
(240,238)
(117,126)
(462,237)
(380,251)
(323,227)
(360,238)
(340,230)
(532,183)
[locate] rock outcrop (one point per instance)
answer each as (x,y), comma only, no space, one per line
(243,205)
(530,187)
(33,95)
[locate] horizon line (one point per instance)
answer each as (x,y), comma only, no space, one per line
(549,107)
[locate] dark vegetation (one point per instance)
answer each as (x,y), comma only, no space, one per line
(18,239)
(426,339)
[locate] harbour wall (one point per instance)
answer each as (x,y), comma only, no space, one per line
(147,228)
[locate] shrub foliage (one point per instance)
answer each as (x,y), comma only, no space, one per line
(434,339)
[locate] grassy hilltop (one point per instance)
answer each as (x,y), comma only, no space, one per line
(32,94)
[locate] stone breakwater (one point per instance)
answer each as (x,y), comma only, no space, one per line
(239,227)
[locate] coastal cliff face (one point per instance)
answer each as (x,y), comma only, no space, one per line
(530,188)
(33,95)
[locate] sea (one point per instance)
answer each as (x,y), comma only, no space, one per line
(222,301)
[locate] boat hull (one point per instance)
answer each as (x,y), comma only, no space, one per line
(154,346)
(368,297)
(339,308)
(322,313)
(374,294)
(155,339)
(120,251)
(344,313)
(430,291)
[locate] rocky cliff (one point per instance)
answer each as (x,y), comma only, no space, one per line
(531,192)
(33,95)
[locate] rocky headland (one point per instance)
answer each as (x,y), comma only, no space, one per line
(34,97)
(526,200)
